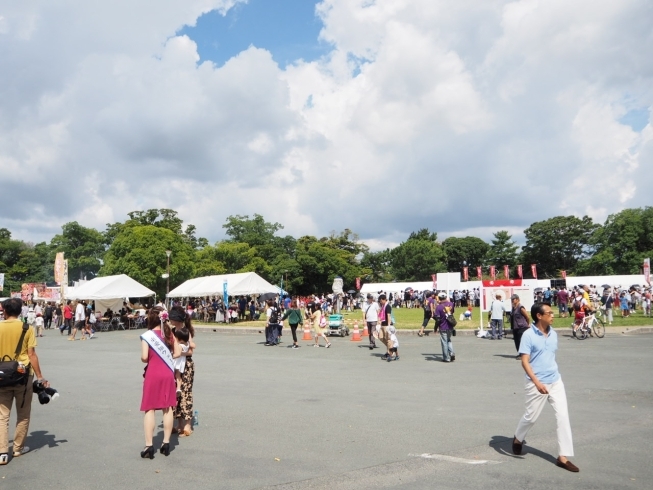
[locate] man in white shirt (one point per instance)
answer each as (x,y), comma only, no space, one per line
(497,310)
(371,318)
(80,320)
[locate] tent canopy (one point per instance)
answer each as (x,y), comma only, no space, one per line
(110,287)
(395,287)
(237,284)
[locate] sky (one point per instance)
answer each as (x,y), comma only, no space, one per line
(381,116)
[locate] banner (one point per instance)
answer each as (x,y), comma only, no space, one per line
(564,274)
(358,283)
(225,295)
(647,270)
(2,282)
(534,270)
(493,272)
(520,272)
(506,271)
(466,273)
(58,268)
(435,281)
(65,272)
(479,272)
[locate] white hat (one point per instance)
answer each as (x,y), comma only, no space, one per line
(442,295)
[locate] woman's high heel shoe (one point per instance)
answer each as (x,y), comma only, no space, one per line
(148,452)
(165,449)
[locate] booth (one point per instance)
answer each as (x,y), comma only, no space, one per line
(241,284)
(109,292)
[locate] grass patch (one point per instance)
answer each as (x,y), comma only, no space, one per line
(411,318)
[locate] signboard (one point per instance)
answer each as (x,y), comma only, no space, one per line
(507,288)
(448,281)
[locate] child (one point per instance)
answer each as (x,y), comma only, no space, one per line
(182,336)
(394,342)
(38,324)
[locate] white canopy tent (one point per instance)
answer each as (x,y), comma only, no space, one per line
(395,287)
(109,292)
(244,283)
(623,281)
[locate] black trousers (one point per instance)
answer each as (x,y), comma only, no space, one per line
(517,333)
(47,321)
(427,317)
(293,331)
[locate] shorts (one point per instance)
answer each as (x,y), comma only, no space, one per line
(80,325)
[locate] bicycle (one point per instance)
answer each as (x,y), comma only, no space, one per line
(590,323)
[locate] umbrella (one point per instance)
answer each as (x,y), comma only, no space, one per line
(635,286)
(538,290)
(408,289)
(606,286)
(351,291)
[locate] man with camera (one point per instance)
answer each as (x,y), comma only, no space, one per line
(17,344)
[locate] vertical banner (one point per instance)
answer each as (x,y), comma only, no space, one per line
(65,272)
(2,282)
(647,270)
(466,273)
(58,268)
(520,272)
(225,294)
(358,283)
(506,271)
(479,272)
(435,281)
(493,272)
(534,270)
(564,274)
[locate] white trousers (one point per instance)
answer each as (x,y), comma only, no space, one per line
(535,403)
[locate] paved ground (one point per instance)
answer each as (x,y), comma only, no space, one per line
(341,418)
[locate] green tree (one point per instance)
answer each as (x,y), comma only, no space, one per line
(470,250)
(418,257)
(623,242)
(503,250)
(558,243)
(140,252)
(379,265)
(83,247)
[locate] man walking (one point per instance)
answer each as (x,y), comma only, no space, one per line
(429,311)
(11,332)
(80,320)
(543,383)
(445,308)
(497,310)
(519,321)
(385,317)
(371,318)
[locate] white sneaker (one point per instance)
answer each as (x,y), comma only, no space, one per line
(4,458)
(92,335)
(25,450)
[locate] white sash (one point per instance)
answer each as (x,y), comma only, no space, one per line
(159,347)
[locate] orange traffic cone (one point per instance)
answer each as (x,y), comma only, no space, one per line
(307,332)
(365,333)
(357,335)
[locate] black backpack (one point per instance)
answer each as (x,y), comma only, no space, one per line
(274,317)
(12,373)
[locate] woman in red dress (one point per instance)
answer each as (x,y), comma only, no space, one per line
(159,388)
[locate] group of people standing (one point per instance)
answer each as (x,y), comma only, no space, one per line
(167,348)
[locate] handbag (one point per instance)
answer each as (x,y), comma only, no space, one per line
(12,372)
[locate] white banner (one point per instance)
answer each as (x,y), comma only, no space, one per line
(2,282)
(647,270)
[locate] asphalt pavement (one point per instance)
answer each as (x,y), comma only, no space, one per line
(340,418)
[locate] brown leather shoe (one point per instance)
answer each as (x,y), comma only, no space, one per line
(568,465)
(517,446)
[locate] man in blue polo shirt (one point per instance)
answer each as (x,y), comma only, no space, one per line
(543,383)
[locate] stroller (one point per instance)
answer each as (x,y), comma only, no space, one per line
(337,326)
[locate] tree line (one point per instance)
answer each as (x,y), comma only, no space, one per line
(137,247)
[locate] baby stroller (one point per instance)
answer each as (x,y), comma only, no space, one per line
(337,326)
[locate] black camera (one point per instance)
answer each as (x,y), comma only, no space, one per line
(44,394)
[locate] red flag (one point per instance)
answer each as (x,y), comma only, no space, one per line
(520,272)
(564,274)
(466,273)
(506,272)
(479,272)
(435,281)
(358,283)
(534,270)
(493,272)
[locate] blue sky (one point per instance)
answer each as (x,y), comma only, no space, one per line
(289,29)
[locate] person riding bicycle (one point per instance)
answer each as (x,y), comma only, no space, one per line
(581,308)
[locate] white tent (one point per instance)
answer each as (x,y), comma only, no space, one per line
(109,292)
(237,284)
(395,287)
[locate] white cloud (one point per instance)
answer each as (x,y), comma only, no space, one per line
(479,115)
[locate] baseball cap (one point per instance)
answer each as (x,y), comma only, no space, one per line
(442,295)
